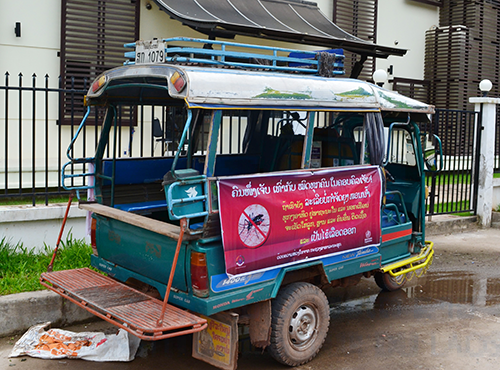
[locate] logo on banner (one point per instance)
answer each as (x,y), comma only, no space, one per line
(240,260)
(254,225)
(368,236)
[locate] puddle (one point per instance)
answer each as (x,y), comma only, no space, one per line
(434,288)
(458,287)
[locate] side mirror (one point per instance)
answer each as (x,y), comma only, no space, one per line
(430,159)
(433,156)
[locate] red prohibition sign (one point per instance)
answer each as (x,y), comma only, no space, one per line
(254,225)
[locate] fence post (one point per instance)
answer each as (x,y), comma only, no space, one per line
(484,186)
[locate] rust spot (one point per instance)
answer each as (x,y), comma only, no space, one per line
(114,237)
(153,249)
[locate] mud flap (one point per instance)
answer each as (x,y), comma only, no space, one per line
(218,343)
(260,323)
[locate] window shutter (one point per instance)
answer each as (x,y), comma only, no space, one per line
(359,18)
(92,37)
(462,51)
(416,89)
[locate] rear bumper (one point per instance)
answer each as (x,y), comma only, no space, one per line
(420,262)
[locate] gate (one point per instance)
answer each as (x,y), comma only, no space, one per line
(452,191)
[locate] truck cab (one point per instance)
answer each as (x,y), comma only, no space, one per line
(263,184)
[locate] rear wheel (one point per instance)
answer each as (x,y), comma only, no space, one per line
(388,282)
(300,320)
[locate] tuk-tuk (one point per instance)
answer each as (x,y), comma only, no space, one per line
(275,179)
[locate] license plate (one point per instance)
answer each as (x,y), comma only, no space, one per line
(149,52)
(218,343)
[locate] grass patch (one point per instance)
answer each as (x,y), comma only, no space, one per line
(452,207)
(39,200)
(449,178)
(20,268)
(445,178)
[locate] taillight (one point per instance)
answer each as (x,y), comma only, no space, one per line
(199,274)
(96,86)
(178,81)
(93,227)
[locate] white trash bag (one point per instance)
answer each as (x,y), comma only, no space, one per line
(57,343)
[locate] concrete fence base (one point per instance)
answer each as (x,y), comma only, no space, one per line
(39,225)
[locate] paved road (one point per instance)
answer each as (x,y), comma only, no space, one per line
(446,320)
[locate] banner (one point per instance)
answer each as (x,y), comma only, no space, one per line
(281,219)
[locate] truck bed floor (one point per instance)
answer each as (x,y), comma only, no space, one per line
(121,305)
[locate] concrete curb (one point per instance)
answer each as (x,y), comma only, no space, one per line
(20,311)
(448,224)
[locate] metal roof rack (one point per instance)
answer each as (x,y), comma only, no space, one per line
(182,50)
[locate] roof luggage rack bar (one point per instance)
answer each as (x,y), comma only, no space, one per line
(246,56)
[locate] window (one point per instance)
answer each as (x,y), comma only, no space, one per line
(92,37)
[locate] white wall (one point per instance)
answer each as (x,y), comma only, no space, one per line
(35,227)
(36,50)
(402,24)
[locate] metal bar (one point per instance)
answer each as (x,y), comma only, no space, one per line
(72,120)
(479,128)
(51,264)
(221,138)
(471,125)
(239,133)
(60,118)
(142,132)
(20,135)
(213,137)
(6,191)
(183,139)
(46,139)
(113,169)
(74,285)
(183,224)
(152,139)
(119,115)
(33,141)
(307,147)
(230,132)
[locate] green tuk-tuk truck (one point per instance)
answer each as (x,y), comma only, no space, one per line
(272,183)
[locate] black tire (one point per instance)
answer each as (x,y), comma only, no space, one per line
(390,283)
(300,320)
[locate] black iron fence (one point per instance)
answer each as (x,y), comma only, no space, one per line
(38,122)
(38,119)
(32,134)
(453,190)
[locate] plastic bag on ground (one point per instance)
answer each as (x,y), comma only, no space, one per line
(57,343)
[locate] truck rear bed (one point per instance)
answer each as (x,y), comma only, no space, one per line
(122,305)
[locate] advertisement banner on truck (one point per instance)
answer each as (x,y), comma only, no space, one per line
(282,219)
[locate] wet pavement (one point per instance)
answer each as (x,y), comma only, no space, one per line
(448,319)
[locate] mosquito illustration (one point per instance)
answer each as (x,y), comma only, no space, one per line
(253,229)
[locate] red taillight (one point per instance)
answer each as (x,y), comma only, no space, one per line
(178,81)
(96,86)
(199,274)
(93,227)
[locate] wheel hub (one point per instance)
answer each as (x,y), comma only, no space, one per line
(302,326)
